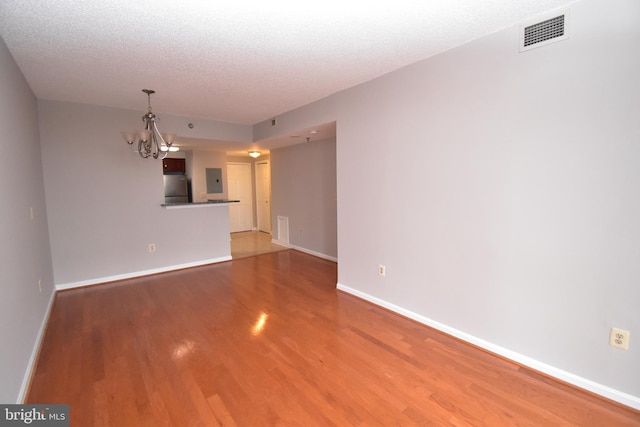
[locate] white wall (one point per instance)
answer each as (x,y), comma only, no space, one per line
(303,187)
(502,192)
(103,201)
(24,244)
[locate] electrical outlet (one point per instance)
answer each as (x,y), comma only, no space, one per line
(31,213)
(152,247)
(301,231)
(619,338)
(382,270)
(40,285)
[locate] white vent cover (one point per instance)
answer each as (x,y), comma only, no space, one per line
(543,32)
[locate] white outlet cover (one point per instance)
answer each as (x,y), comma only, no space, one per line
(382,270)
(619,338)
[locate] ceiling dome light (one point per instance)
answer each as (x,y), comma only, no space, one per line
(172,148)
(254,154)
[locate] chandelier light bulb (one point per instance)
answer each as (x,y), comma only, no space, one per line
(144,135)
(169,137)
(129,137)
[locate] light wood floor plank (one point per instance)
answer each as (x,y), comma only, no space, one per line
(268,341)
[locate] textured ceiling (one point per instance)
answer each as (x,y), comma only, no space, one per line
(234,61)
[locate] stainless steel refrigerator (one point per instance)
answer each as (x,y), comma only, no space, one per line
(176,189)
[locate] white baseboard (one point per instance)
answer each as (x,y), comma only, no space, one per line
(278,242)
(602,390)
(99,280)
(31,366)
(306,251)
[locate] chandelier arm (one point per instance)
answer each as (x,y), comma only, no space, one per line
(159,146)
(148,144)
(154,142)
(142,150)
(155,127)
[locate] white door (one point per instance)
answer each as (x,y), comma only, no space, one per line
(239,185)
(263,195)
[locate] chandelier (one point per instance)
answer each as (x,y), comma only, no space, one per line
(150,142)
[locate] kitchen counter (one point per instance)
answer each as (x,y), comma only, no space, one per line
(206,204)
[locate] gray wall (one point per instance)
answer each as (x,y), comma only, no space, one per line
(103,201)
(303,183)
(507,194)
(24,243)
(201,160)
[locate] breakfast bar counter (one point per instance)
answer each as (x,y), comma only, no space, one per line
(206,204)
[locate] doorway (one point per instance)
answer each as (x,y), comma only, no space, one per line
(263,195)
(239,185)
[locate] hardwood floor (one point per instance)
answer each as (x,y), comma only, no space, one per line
(268,340)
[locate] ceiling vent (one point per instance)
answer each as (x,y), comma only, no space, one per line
(542,33)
